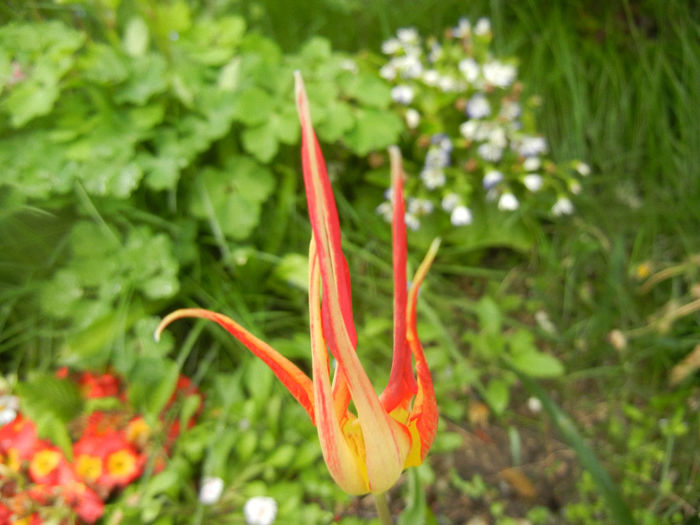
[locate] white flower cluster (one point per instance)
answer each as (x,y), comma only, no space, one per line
(491,142)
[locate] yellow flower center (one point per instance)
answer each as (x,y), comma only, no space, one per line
(121,463)
(88,467)
(137,432)
(643,271)
(11,459)
(44,462)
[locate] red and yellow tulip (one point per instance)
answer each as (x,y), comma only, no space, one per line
(365,450)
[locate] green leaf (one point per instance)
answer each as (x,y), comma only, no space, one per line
(51,403)
(147,77)
(497,395)
(285,125)
(233,198)
(368,90)
(161,172)
(316,49)
(293,269)
(151,383)
(136,37)
(172,16)
(253,106)
(282,456)
(102,64)
(528,359)
(30,99)
(490,316)
(58,295)
(230,75)
(339,120)
(374,130)
(261,141)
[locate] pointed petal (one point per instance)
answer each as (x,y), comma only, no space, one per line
(386,442)
(323,215)
(296,381)
(402,385)
(424,415)
(345,464)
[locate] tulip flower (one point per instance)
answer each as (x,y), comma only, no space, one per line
(366,449)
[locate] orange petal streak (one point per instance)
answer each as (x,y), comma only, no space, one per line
(425,412)
(323,217)
(386,442)
(402,385)
(345,465)
(296,381)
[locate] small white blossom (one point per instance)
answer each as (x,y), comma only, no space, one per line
(531,146)
(490,152)
(447,84)
(391,46)
(583,168)
(463,28)
(450,201)
(408,35)
(433,178)
(469,68)
(482,27)
(260,511)
(461,216)
(497,137)
(431,77)
(484,130)
(8,409)
(442,141)
(532,164)
(491,178)
(435,52)
(385,209)
(575,187)
(498,74)
(478,106)
(468,129)
(389,194)
(410,66)
(563,206)
(402,94)
(544,322)
(533,181)
(412,118)
(210,490)
(437,157)
(534,404)
(388,71)
(349,64)
(510,110)
(420,206)
(412,222)
(508,202)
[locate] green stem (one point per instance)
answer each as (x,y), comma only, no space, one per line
(382,509)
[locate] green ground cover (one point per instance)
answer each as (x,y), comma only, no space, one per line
(150,161)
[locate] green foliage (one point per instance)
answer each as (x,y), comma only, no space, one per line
(51,403)
(150,161)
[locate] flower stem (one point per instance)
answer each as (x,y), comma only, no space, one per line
(382,509)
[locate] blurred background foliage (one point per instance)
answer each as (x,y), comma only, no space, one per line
(149,160)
